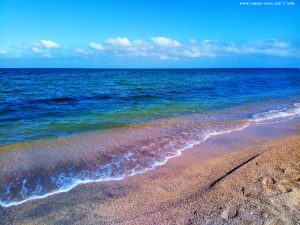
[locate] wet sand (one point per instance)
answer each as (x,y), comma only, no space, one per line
(247,177)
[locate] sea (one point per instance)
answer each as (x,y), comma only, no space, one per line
(63,127)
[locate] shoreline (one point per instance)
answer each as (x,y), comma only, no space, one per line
(172,193)
(140,148)
(178,153)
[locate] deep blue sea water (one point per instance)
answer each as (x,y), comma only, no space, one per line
(64,127)
(41,103)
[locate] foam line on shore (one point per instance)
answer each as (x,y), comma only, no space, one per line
(276,115)
(261,118)
(156,164)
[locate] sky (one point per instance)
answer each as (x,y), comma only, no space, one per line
(149,34)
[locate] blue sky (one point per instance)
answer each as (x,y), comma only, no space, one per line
(152,33)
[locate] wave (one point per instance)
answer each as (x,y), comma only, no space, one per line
(131,159)
(277,115)
(70,182)
(38,103)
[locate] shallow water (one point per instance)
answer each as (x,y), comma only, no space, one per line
(40,166)
(42,103)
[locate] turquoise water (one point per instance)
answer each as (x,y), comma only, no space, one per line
(42,103)
(65,127)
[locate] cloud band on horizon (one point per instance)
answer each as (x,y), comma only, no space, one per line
(161,48)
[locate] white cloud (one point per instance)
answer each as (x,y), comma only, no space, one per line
(172,49)
(166,57)
(119,41)
(200,49)
(2,52)
(48,44)
(40,52)
(271,43)
(163,57)
(165,42)
(282,44)
(122,46)
(198,52)
(82,52)
(36,50)
(192,41)
(271,47)
(138,48)
(162,48)
(96,46)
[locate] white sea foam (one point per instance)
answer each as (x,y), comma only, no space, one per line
(260,118)
(67,187)
(277,115)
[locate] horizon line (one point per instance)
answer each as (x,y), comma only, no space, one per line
(149,68)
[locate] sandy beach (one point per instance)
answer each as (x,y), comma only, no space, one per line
(149,112)
(237,178)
